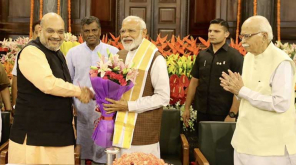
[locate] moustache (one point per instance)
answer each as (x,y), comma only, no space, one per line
(91,37)
(127,39)
(245,45)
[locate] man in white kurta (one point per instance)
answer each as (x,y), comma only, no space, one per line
(132,33)
(79,59)
(159,80)
(265,132)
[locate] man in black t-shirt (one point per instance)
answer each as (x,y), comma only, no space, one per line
(208,97)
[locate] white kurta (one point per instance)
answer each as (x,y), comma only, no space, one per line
(79,59)
(278,101)
(160,98)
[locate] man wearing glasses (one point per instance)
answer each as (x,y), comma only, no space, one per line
(265,131)
(208,97)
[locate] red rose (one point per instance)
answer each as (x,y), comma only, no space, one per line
(118,77)
(122,82)
(113,75)
(108,73)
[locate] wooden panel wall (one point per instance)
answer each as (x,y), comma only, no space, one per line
(201,13)
(80,9)
(141,8)
(167,17)
(227,10)
(265,8)
(181,17)
(15,15)
(14,18)
(105,10)
(288,21)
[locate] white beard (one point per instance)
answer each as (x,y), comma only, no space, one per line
(136,42)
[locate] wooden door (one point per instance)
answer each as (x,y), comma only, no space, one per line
(201,13)
(170,17)
(141,8)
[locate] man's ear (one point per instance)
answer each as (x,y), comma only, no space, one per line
(265,36)
(226,34)
(144,32)
(99,31)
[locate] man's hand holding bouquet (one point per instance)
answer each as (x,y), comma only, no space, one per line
(110,80)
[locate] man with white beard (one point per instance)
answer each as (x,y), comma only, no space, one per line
(139,112)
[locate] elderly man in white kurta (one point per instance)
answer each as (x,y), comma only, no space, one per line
(265,132)
(79,60)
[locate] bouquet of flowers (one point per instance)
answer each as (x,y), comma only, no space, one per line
(13,47)
(138,158)
(110,79)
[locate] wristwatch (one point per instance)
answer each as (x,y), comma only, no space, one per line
(232,115)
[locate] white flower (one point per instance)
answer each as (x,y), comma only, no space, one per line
(192,119)
(70,37)
(13,46)
(289,49)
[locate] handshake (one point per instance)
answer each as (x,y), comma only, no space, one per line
(86,95)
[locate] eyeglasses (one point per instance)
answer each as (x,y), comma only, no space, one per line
(247,36)
(130,31)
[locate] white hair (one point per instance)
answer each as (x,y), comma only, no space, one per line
(136,18)
(264,26)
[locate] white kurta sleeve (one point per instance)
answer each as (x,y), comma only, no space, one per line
(282,88)
(160,83)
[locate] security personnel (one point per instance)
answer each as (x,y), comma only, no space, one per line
(208,97)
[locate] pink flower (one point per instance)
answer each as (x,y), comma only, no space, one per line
(93,73)
(3,59)
(103,65)
(131,75)
(115,60)
(122,66)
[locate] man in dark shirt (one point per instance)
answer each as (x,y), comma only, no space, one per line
(208,97)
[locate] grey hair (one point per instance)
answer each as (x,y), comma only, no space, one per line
(89,20)
(132,17)
(264,26)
